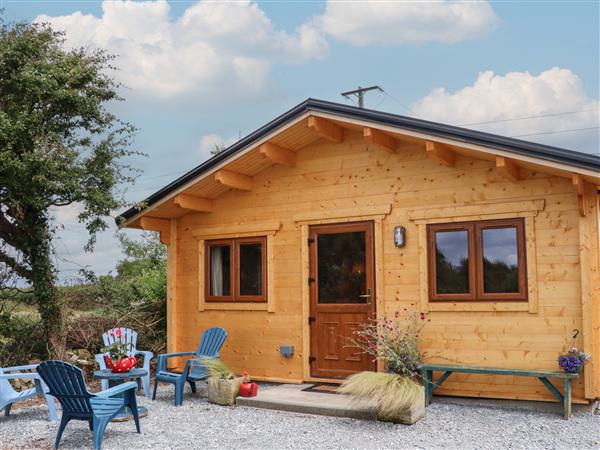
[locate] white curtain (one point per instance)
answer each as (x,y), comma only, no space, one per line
(216,270)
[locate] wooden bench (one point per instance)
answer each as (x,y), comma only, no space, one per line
(542,375)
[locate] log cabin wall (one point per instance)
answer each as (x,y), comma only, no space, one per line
(363,182)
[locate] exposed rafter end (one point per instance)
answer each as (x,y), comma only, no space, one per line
(326,128)
(379,138)
(440,153)
(193,203)
(163,226)
(580,187)
(508,168)
(278,154)
(234,180)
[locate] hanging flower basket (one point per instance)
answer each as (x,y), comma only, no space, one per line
(573,360)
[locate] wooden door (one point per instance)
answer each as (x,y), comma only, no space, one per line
(342,296)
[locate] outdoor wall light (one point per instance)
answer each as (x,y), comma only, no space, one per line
(399,238)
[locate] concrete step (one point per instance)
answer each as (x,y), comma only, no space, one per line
(291,398)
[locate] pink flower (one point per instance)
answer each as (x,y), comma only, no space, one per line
(118,332)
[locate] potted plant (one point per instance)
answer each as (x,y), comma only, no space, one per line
(573,360)
(398,393)
(118,359)
(223,385)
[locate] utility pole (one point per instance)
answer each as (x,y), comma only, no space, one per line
(360,94)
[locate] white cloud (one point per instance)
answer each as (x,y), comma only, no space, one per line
(520,94)
(208,142)
(397,23)
(213,44)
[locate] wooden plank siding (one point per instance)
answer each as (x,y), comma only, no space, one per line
(354,175)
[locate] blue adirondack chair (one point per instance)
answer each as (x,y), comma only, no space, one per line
(8,396)
(66,383)
(129,336)
(210,345)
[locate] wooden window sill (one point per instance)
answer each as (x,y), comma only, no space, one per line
(235,306)
(478,306)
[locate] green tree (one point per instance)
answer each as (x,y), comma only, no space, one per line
(144,254)
(218,148)
(59,145)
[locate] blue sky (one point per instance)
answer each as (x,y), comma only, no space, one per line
(204,72)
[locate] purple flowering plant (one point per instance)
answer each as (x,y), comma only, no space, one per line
(573,360)
(393,340)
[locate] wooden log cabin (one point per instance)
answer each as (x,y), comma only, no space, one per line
(297,233)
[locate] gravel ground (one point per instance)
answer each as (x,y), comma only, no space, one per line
(198,424)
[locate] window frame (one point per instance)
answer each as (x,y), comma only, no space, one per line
(207,264)
(475,252)
(234,273)
(250,240)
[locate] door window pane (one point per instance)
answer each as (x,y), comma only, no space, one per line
(251,268)
(220,270)
(500,260)
(452,262)
(341,267)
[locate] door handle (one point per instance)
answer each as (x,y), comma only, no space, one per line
(367,295)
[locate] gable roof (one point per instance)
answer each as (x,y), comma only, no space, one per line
(341,111)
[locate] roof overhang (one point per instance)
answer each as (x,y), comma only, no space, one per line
(290,130)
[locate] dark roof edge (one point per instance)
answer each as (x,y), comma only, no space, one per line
(517,146)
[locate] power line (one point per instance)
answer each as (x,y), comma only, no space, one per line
(527,117)
(163,175)
(399,102)
(556,131)
(495,121)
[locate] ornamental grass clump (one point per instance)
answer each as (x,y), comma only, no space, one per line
(217,369)
(397,393)
(392,394)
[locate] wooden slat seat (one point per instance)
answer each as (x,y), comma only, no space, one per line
(564,398)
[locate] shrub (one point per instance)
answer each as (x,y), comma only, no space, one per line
(394,341)
(21,339)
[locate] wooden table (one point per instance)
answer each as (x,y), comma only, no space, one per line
(542,375)
(119,378)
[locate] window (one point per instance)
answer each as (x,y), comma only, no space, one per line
(482,260)
(236,270)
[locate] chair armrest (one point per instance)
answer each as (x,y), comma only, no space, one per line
(161,360)
(118,389)
(16,376)
(146,354)
(199,361)
(175,355)
(100,360)
(19,368)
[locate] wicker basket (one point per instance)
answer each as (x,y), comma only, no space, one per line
(223,391)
